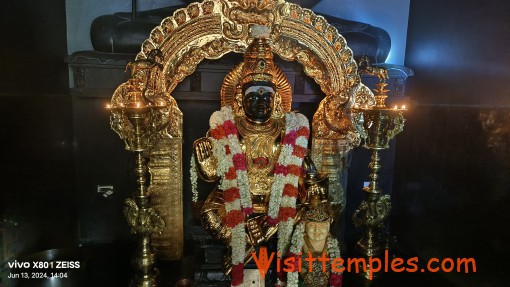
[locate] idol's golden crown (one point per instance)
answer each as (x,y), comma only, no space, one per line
(318,210)
(258,63)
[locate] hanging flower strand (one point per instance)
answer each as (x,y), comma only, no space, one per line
(194,179)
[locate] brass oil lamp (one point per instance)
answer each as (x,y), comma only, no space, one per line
(377,125)
(135,119)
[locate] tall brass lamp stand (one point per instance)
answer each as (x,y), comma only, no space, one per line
(377,125)
(137,121)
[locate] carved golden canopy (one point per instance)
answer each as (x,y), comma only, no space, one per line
(213,28)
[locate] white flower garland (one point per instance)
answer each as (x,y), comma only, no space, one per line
(334,250)
(194,179)
(296,248)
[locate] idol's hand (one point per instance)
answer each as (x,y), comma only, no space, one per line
(206,161)
(255,234)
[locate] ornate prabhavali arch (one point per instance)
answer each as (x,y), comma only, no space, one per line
(209,30)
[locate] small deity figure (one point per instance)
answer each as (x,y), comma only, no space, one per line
(312,241)
(254,149)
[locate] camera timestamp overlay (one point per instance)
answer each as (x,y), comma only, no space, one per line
(40,269)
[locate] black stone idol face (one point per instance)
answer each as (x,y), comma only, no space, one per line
(258,101)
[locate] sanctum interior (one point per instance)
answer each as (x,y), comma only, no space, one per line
(438,190)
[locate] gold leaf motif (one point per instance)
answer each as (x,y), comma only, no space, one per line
(233,31)
(294,12)
(243,17)
(346,55)
(208,7)
(330,121)
(193,10)
(307,16)
(180,16)
(331,34)
(363,96)
(256,4)
(353,80)
(168,25)
(339,44)
(351,68)
(156,36)
(147,46)
(285,10)
(320,23)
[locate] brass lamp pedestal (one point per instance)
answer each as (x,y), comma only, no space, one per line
(377,125)
(135,120)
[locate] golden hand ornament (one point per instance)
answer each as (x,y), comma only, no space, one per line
(206,162)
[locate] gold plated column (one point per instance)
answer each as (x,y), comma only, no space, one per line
(377,125)
(135,119)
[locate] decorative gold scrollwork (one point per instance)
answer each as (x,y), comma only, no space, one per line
(372,213)
(143,221)
(398,126)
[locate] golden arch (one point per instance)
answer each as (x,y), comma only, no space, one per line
(213,28)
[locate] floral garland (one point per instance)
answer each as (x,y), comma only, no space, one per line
(335,278)
(194,179)
(295,251)
(236,188)
(286,176)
